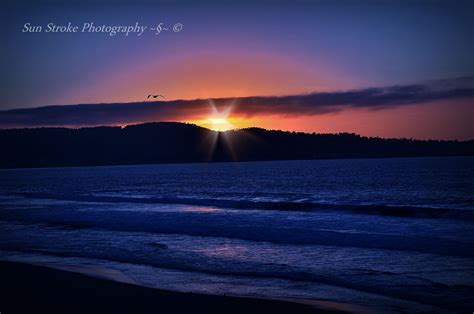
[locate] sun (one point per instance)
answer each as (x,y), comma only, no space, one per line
(219,119)
(219,124)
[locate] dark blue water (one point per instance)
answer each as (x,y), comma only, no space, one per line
(384,234)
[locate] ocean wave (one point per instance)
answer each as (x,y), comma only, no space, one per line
(256,229)
(245,204)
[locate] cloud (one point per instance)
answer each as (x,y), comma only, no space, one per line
(376,98)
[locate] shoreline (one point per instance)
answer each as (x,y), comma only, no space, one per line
(39,288)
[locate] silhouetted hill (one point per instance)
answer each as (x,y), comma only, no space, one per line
(168,142)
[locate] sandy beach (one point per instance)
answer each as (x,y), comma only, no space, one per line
(38,289)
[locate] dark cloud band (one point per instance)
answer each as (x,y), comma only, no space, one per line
(294,105)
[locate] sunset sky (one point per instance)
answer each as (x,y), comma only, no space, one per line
(377,68)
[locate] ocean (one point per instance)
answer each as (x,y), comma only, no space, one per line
(384,235)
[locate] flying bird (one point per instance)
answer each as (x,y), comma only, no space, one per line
(155,96)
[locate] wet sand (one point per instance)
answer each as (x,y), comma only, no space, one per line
(38,289)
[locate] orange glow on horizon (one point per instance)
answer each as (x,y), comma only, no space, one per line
(421,121)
